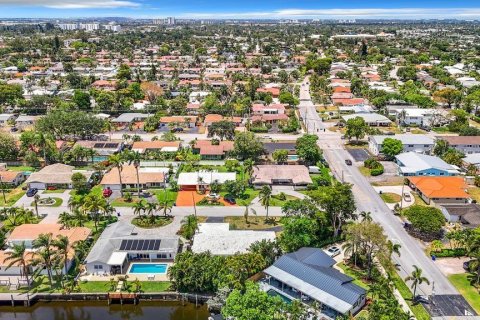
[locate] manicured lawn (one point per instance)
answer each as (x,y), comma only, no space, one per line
(120,202)
(54,191)
(276,202)
(254,223)
(364,171)
(22,168)
(249,195)
(155,286)
(470,293)
(391,197)
(171,196)
(13,196)
(474,192)
(357,275)
(94,286)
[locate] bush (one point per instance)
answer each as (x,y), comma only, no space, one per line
(426,221)
(376,171)
(376,168)
(450,253)
(259,129)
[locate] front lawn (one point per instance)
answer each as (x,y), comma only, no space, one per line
(22,168)
(54,191)
(474,192)
(254,223)
(391,197)
(469,292)
(12,197)
(278,201)
(364,171)
(171,196)
(121,202)
(247,198)
(94,286)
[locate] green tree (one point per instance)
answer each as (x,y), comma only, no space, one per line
(8,147)
(391,147)
(222,129)
(429,220)
(280,155)
(417,278)
(81,99)
(449,96)
(45,255)
(265,196)
(298,232)
(18,255)
(252,304)
(124,72)
(307,149)
(247,146)
(10,93)
(407,73)
(79,182)
(117,161)
(356,127)
(288,98)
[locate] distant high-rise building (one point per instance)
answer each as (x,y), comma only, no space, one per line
(89,26)
(167,21)
(68,26)
(113,27)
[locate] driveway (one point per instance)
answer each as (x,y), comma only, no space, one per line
(450,266)
(27,201)
(397,190)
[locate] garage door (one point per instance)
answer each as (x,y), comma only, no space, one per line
(38,185)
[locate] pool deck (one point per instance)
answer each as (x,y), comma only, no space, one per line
(132,276)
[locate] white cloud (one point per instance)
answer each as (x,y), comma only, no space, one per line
(72,4)
(400,13)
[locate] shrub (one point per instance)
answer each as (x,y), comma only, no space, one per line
(376,171)
(426,220)
(376,168)
(450,253)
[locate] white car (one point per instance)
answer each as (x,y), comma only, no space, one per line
(333,251)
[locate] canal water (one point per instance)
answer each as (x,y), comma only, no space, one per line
(100,311)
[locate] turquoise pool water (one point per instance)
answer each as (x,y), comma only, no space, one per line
(148,268)
(292,157)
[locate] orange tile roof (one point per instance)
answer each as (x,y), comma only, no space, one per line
(441,187)
(155,144)
(9,176)
(32,231)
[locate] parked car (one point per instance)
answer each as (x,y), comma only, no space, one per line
(14,129)
(333,251)
(407,197)
(229,199)
(107,192)
(177,130)
(51,188)
(145,194)
(31,192)
(348,162)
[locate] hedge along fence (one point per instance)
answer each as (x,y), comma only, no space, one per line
(376,168)
(450,253)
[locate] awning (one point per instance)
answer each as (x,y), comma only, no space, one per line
(117,258)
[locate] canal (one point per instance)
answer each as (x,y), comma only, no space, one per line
(100,311)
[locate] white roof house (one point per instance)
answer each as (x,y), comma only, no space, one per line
(220,240)
(416,164)
(205,177)
(419,143)
(372,119)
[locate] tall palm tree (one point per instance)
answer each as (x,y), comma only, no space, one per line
(35,202)
(117,161)
(189,226)
(81,248)
(265,197)
(366,215)
(95,204)
(41,141)
(62,247)
(78,218)
(45,254)
(248,166)
(134,157)
(17,256)
(151,208)
(65,219)
(417,278)
(139,207)
(165,207)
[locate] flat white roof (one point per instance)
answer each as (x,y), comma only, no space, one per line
(220,240)
(117,258)
(207,177)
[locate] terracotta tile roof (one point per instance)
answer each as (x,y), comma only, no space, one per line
(274,91)
(9,176)
(349,102)
(129,176)
(32,231)
(178,119)
(441,187)
(155,144)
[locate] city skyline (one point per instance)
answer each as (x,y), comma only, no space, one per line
(248,9)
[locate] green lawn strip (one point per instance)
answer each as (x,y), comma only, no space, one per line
(364,171)
(417,309)
(249,195)
(355,274)
(254,222)
(469,292)
(58,203)
(155,286)
(390,197)
(94,286)
(275,202)
(21,168)
(54,191)
(171,196)
(12,197)
(120,202)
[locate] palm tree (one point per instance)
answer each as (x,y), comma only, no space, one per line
(117,161)
(75,202)
(94,204)
(17,256)
(366,215)
(417,278)
(134,157)
(189,226)
(78,218)
(151,208)
(42,141)
(265,197)
(45,254)
(35,201)
(62,246)
(165,207)
(248,166)
(65,219)
(247,212)
(139,207)
(81,248)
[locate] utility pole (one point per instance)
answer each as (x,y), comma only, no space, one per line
(3,191)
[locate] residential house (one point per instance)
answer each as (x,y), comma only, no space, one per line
(308,275)
(24,121)
(154,146)
(464,144)
(178,121)
(220,240)
(200,180)
(11,179)
(211,118)
(411,142)
(412,115)
(121,242)
(126,119)
(416,164)
(209,151)
(102,149)
(57,176)
(27,233)
(371,119)
(147,178)
(5,118)
(290,175)
(440,190)
(466,214)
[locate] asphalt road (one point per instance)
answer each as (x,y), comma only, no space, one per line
(367,199)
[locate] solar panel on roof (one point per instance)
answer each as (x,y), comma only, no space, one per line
(111,145)
(129,245)
(156,245)
(123,244)
(140,244)
(146,244)
(98,145)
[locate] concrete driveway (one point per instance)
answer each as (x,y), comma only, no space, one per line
(450,266)
(397,190)
(27,201)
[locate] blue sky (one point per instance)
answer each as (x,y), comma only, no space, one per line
(462,9)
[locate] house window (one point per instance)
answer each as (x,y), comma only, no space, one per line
(97,267)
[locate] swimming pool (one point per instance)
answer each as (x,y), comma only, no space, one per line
(292,157)
(151,268)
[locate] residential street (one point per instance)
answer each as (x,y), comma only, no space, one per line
(368,200)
